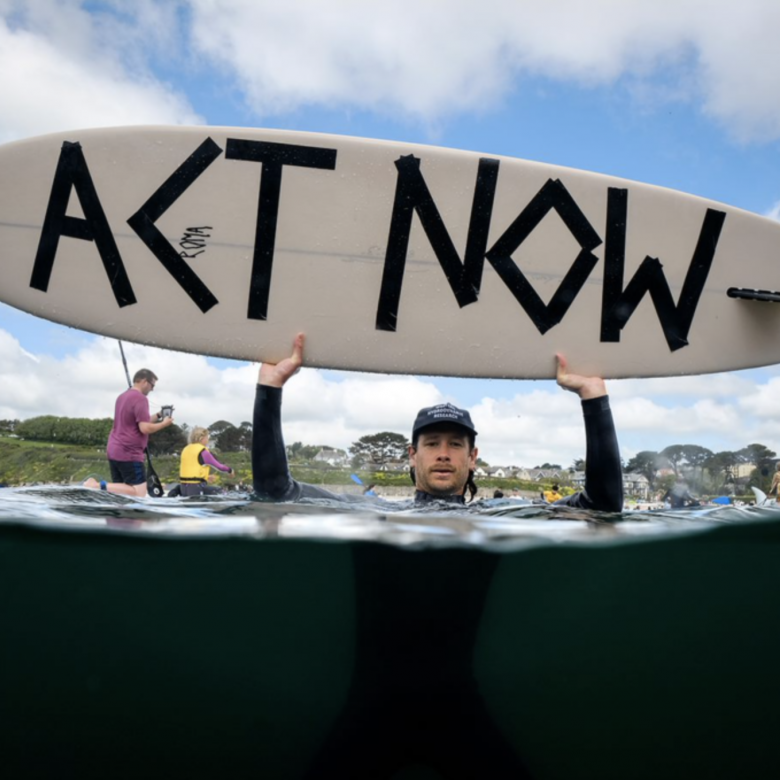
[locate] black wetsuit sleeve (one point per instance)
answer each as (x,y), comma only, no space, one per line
(271,478)
(603,472)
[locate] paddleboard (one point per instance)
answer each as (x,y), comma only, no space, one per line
(392,257)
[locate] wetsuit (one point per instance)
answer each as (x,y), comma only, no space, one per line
(272,479)
(414,698)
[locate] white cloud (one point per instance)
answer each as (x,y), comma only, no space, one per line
(740,66)
(530,429)
(762,402)
(427,60)
(684,422)
(65,68)
(339,411)
(774,212)
(337,408)
(86,382)
(725,385)
(74,66)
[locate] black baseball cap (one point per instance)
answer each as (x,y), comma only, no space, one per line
(442,413)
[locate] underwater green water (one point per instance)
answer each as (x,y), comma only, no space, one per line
(227,638)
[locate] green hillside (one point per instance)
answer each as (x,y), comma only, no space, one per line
(34,462)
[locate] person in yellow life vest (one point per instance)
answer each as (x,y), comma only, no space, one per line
(776,483)
(196,464)
(552,495)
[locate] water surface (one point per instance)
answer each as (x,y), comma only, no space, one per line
(497,524)
(225,637)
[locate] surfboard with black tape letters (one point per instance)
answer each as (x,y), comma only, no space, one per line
(391,257)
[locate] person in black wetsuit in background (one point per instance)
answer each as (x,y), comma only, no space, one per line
(414,699)
(680,497)
(443,454)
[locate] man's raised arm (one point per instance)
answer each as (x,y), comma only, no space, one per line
(277,374)
(270,474)
(603,471)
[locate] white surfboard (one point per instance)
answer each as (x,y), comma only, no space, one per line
(762,499)
(391,257)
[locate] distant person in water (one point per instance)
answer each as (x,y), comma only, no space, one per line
(369,491)
(196,464)
(776,483)
(443,454)
(129,437)
(553,494)
(679,497)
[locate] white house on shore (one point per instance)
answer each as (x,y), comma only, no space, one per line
(394,466)
(634,484)
(332,457)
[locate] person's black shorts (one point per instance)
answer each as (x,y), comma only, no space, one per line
(131,472)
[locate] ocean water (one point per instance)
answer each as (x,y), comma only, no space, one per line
(497,524)
(224,637)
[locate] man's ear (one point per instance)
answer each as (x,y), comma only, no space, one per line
(412,454)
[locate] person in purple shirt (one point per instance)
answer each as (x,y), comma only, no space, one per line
(129,437)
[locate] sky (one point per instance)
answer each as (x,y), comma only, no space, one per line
(680,93)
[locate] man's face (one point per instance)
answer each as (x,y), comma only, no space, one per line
(442,460)
(147,386)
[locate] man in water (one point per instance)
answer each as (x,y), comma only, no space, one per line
(129,437)
(414,697)
(443,454)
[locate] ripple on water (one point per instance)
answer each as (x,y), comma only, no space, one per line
(495,524)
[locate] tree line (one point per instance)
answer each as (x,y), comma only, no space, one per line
(79,431)
(704,470)
(85,432)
